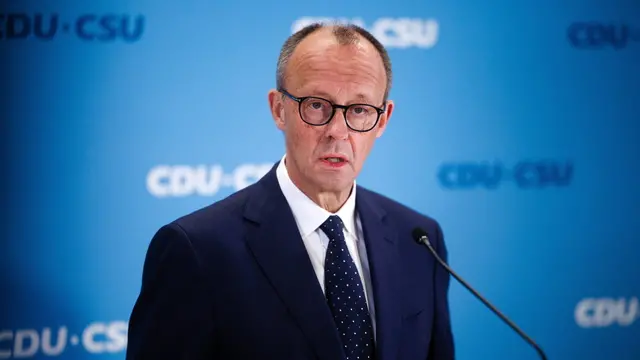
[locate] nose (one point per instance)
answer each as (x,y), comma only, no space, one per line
(337,128)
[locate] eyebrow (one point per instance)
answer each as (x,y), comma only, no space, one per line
(359,97)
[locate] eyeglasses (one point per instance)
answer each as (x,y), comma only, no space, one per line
(318,111)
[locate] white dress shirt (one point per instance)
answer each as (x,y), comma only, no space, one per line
(309,216)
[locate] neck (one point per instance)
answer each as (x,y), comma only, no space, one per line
(331,201)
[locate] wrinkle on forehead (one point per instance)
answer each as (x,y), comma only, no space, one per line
(324,67)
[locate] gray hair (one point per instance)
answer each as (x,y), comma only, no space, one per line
(345,34)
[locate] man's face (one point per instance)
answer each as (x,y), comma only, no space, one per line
(342,74)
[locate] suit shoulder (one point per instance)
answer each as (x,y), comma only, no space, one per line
(223,213)
(406,219)
(400,212)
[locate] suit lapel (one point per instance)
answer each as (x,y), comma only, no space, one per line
(382,252)
(275,242)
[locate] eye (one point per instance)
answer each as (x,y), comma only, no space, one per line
(361,110)
(316,105)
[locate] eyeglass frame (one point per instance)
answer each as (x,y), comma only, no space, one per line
(344,108)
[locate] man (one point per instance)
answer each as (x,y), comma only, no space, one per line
(303,264)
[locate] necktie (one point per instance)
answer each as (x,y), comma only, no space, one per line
(345,294)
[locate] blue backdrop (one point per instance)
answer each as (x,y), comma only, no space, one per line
(516,127)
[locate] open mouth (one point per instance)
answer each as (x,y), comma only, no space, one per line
(334,160)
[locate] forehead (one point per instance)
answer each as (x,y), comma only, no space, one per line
(341,72)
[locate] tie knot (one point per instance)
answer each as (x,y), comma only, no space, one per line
(333,226)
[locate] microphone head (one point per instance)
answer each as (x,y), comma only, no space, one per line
(419,235)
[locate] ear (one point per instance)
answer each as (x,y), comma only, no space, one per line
(384,118)
(276,105)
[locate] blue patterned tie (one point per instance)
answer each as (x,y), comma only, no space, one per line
(345,294)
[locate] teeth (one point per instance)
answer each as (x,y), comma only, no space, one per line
(334,160)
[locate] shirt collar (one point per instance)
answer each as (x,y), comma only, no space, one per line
(309,216)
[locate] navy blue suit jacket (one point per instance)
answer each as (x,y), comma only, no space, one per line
(234,281)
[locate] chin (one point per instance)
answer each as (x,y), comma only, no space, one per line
(335,184)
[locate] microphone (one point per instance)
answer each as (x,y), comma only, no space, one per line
(420,236)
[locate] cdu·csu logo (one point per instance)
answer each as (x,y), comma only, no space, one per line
(490,175)
(165,181)
(87,27)
(596,35)
(605,312)
(96,338)
(398,33)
